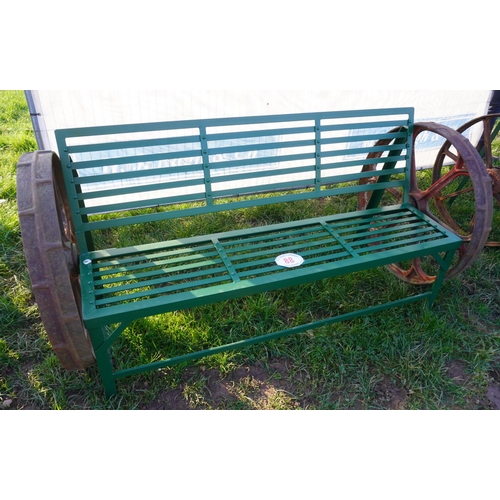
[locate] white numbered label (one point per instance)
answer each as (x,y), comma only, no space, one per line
(289,260)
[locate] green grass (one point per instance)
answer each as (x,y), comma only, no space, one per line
(408,358)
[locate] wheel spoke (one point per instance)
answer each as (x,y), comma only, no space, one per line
(439,185)
(451,155)
(415,274)
(454,194)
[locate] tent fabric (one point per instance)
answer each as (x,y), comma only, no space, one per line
(54,109)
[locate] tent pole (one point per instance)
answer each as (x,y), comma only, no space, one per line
(37,121)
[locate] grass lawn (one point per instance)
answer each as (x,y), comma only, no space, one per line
(411,358)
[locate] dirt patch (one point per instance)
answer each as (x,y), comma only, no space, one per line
(276,386)
(493,394)
(390,396)
(170,400)
(251,387)
(456,370)
(493,391)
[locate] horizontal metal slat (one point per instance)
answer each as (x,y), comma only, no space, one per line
(356,176)
(150,280)
(138,204)
(399,244)
(362,187)
(360,162)
(364,125)
(298,247)
(117,266)
(287,247)
(149,251)
(133,159)
(252,134)
(363,138)
(271,234)
(160,270)
(277,186)
(359,228)
(333,250)
(262,160)
(137,174)
(130,144)
(141,188)
(362,151)
(258,175)
(161,291)
(128,128)
(395,235)
(367,217)
(309,260)
(265,146)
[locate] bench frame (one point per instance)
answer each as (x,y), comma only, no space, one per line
(103,339)
(212,153)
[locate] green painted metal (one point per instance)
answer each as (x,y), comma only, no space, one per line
(266,337)
(388,167)
(332,246)
(122,167)
(132,174)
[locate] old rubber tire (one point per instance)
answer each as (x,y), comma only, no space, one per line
(50,249)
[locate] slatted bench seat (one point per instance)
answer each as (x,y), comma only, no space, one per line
(164,277)
(116,176)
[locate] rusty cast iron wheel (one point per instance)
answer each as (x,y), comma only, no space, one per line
(468,163)
(51,255)
(446,200)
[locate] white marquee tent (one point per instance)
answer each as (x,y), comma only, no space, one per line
(53,109)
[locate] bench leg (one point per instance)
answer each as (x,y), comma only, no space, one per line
(104,361)
(444,264)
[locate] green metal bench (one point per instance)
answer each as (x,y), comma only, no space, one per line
(105,178)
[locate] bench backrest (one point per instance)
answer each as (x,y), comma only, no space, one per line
(128,174)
